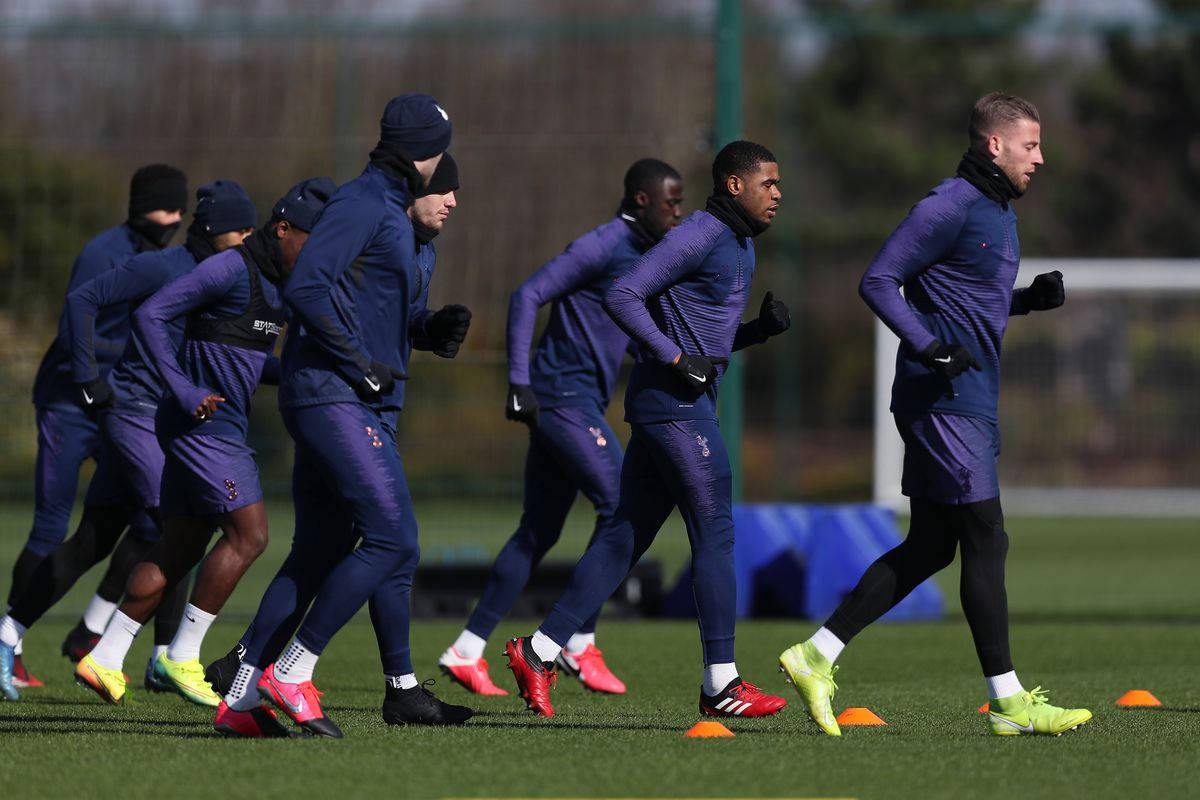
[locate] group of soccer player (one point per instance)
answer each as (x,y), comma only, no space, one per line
(160,350)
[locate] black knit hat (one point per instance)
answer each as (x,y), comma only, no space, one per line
(157,186)
(417,124)
(444,178)
(303,203)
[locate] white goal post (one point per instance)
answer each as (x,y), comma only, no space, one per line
(1086,280)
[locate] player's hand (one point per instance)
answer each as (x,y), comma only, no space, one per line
(448,328)
(948,360)
(379,382)
(521,404)
(208,406)
(95,395)
(773,316)
(697,373)
(1046,292)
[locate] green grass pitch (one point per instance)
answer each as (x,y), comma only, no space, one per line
(1099,607)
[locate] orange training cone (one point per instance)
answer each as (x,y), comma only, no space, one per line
(859,716)
(985,708)
(1138,698)
(707,730)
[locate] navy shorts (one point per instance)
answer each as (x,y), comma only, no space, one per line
(207,476)
(948,458)
(129,466)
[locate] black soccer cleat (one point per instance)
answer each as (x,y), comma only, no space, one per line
(79,642)
(419,706)
(220,673)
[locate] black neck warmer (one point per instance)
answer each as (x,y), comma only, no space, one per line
(642,238)
(263,247)
(154,236)
(392,159)
(199,245)
(423,233)
(982,173)
(727,209)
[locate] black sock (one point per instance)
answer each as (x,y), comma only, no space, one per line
(23,570)
(984,545)
(928,548)
(55,575)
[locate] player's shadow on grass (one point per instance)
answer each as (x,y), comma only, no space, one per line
(525,721)
(20,723)
(1169,709)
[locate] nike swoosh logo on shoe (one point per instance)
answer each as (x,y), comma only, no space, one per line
(1027,728)
(295,708)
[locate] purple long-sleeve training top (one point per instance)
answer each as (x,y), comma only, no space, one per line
(956,256)
(219,286)
(580,351)
(686,294)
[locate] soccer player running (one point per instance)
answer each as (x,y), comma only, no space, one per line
(129,470)
(67,436)
(956,257)
(234,316)
(340,392)
(389,605)
(562,396)
(129,467)
(682,302)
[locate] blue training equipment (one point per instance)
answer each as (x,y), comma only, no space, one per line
(800,560)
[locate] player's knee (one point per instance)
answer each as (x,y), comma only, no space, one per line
(146,580)
(251,543)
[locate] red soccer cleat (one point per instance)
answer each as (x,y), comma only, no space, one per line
(257,723)
(534,676)
(79,642)
(471,674)
(22,678)
(300,701)
(740,699)
(591,670)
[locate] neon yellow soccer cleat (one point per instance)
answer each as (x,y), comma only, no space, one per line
(812,675)
(1030,713)
(108,683)
(187,678)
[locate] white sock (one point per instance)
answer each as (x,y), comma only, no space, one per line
(545,647)
(579,642)
(186,644)
(11,631)
(718,676)
(469,645)
(118,637)
(1005,685)
(243,693)
(296,664)
(20,648)
(159,649)
(98,613)
(827,644)
(406,681)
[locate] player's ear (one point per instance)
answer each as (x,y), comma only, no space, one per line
(993,145)
(734,185)
(642,199)
(281,229)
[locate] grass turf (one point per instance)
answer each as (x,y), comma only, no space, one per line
(1081,592)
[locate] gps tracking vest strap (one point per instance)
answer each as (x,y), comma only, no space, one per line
(257,328)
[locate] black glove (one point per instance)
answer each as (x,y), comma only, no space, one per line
(377,383)
(522,404)
(697,373)
(95,395)
(773,316)
(1046,292)
(447,328)
(948,360)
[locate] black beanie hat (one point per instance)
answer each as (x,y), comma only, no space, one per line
(444,178)
(303,203)
(416,123)
(222,206)
(157,186)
